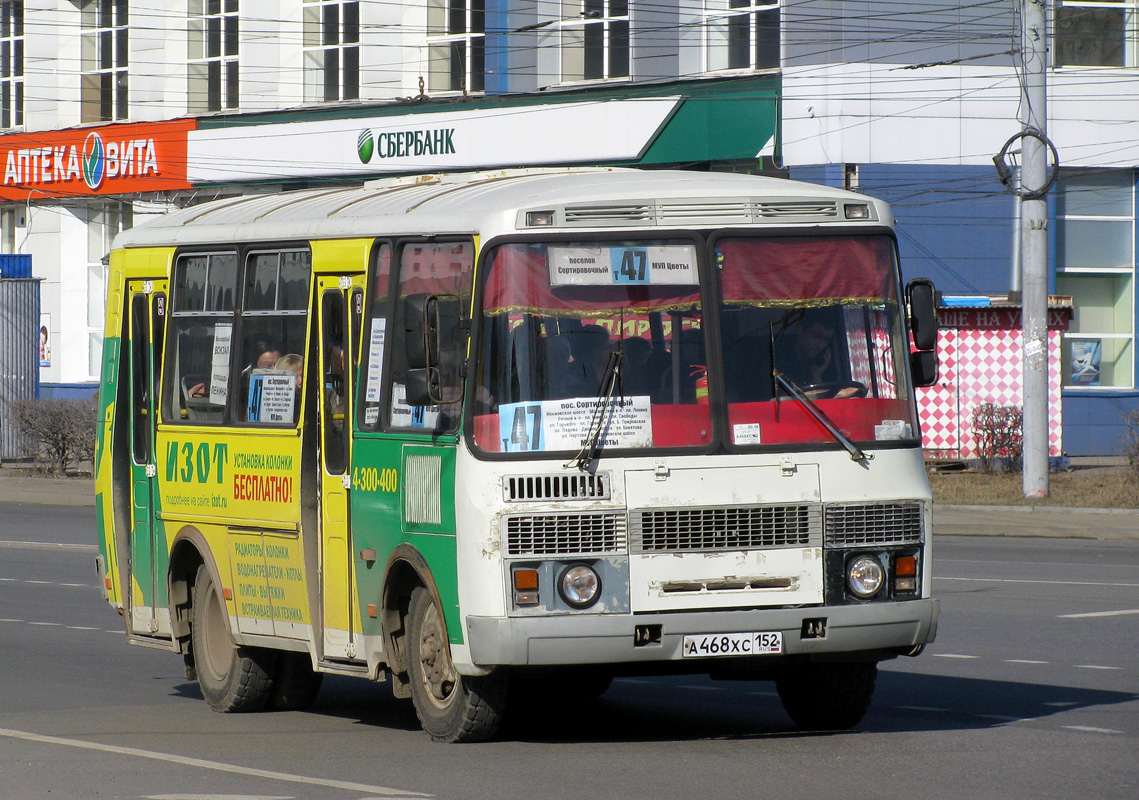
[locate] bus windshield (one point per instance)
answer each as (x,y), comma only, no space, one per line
(560,318)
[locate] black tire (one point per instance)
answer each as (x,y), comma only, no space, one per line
(827,696)
(451,707)
(295,684)
(232,678)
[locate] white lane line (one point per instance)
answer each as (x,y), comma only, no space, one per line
(1023,661)
(11,620)
(218,797)
(1089,729)
(47,624)
(40,583)
(1100,614)
(219,766)
(82,628)
(951,655)
(1023,580)
(1094,666)
(50,546)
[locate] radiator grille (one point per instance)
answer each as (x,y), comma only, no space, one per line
(566,534)
(517,488)
(873,524)
(712,529)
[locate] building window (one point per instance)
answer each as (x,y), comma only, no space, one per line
(595,39)
(1095,264)
(455,45)
(213,55)
(332,50)
(742,34)
(11,64)
(104,222)
(1096,34)
(105,46)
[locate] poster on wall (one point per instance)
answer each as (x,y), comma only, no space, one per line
(45,339)
(1086,362)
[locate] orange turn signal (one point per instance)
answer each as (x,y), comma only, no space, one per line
(906,565)
(526,580)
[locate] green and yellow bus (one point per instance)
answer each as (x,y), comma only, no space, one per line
(519,431)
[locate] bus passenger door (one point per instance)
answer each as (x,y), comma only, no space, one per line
(337,346)
(146,307)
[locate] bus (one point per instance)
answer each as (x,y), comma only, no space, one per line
(518,433)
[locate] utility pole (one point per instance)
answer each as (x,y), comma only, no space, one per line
(1034,247)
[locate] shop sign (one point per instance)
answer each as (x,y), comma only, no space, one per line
(108,160)
(564,133)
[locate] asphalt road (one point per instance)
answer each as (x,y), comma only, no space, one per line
(1031,690)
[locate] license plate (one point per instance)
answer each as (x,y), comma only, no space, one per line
(703,645)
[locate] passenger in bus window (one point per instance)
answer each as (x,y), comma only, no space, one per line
(811,363)
(267,355)
(296,363)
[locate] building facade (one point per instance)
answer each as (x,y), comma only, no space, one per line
(114,110)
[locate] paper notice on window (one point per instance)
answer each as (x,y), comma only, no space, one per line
(219,365)
(567,424)
(375,361)
(278,397)
(623,265)
(405,416)
(746,433)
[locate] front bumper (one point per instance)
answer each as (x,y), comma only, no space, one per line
(609,639)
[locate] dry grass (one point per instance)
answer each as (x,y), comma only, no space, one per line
(1096,487)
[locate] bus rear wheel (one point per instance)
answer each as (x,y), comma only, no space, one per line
(451,707)
(827,695)
(231,678)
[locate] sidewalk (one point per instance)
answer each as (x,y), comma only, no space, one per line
(1115,524)
(39,491)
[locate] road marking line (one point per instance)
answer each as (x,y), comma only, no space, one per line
(40,583)
(1094,666)
(80,585)
(47,624)
(1089,729)
(1023,661)
(11,620)
(82,628)
(951,655)
(214,765)
(1023,580)
(50,545)
(1100,614)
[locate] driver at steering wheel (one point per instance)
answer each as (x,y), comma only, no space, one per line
(811,361)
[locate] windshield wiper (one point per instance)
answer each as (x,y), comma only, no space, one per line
(779,379)
(602,413)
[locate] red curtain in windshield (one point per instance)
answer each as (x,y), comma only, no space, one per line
(807,268)
(519,282)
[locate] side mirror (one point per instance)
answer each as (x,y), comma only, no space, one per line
(921,298)
(923,367)
(432,323)
(424,387)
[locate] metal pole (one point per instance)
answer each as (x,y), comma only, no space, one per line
(1034,252)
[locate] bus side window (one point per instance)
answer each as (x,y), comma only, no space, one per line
(273,337)
(443,268)
(373,333)
(202,323)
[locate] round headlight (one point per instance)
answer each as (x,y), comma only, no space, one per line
(579,586)
(865,576)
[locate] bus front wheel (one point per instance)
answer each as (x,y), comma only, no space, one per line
(827,695)
(231,678)
(451,707)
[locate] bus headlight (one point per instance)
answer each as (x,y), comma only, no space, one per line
(865,576)
(579,585)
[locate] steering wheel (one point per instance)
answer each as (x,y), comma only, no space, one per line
(830,389)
